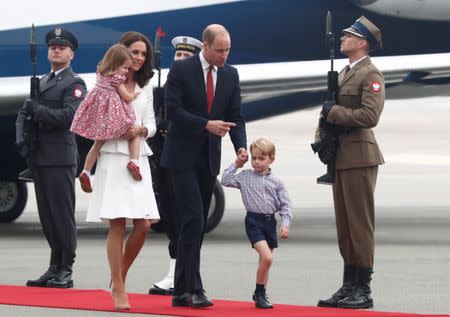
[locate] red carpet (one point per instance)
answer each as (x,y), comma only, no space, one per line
(100,300)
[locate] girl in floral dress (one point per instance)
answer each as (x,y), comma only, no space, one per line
(106,112)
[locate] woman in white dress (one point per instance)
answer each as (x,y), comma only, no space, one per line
(118,198)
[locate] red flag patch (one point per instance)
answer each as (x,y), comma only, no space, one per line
(77,92)
(161,32)
(376,86)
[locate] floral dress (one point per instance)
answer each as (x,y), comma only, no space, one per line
(103,114)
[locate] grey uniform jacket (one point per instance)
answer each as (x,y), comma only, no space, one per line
(59,99)
(359,105)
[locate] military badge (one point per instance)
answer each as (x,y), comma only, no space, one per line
(77,92)
(376,86)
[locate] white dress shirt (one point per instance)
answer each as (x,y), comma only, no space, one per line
(205,66)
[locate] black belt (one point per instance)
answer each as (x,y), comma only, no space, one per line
(266,217)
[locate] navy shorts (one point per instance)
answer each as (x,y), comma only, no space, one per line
(261,227)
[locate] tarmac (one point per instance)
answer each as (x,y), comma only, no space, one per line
(412,255)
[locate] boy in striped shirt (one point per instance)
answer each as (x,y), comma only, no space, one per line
(263,195)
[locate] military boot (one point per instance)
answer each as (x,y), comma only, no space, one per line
(44,278)
(346,289)
(360,298)
(63,279)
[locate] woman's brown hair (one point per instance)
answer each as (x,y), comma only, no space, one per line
(142,76)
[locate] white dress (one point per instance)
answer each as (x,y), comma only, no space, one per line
(115,193)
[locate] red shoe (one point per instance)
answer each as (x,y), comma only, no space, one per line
(134,171)
(85,182)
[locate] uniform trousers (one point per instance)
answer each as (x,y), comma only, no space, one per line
(55,197)
(353,194)
(193,187)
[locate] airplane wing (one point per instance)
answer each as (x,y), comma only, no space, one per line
(259,81)
(268,85)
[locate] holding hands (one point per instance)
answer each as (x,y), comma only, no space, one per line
(241,158)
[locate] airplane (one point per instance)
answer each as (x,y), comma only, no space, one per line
(278,47)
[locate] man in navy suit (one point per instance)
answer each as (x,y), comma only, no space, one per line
(203,101)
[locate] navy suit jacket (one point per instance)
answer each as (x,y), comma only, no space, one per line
(185,99)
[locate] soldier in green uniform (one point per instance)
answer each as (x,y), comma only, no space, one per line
(358,108)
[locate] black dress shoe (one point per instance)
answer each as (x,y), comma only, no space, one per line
(182,300)
(261,300)
(199,299)
(42,281)
(160,291)
(62,280)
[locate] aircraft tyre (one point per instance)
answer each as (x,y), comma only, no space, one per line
(13,198)
(216,208)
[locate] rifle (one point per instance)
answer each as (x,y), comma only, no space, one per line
(26,132)
(332,82)
(34,81)
(157,141)
(327,144)
(158,92)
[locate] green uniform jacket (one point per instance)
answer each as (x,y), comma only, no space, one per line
(359,105)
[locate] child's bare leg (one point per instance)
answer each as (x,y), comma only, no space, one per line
(93,155)
(262,274)
(133,147)
(264,263)
(268,273)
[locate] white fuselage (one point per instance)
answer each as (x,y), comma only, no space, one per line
(434,10)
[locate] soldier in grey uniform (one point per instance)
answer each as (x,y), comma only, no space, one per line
(358,108)
(55,156)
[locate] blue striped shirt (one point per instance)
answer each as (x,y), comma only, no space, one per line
(263,194)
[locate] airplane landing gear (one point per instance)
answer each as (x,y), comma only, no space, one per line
(13,198)
(215,212)
(216,208)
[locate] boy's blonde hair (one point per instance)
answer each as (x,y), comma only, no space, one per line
(114,57)
(265,146)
